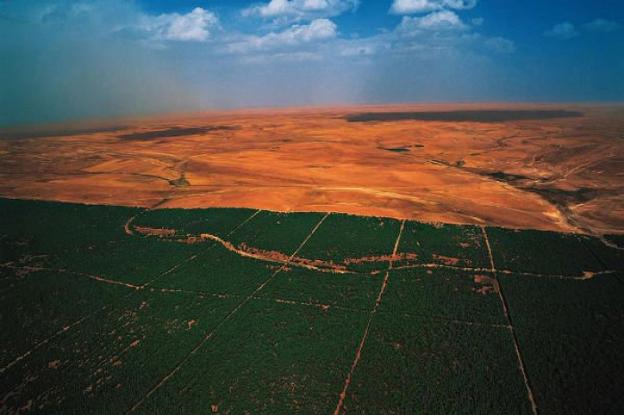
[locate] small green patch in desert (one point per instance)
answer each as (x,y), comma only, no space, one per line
(571,334)
(414,365)
(44,304)
(445,294)
(276,232)
(324,289)
(542,252)
(218,271)
(216,221)
(270,358)
(133,259)
(356,243)
(138,343)
(450,245)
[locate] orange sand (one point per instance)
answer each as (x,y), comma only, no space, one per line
(569,173)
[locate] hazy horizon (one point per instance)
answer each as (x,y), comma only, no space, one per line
(101,59)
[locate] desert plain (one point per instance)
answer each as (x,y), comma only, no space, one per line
(548,167)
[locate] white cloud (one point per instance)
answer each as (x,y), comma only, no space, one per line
(316,30)
(358,50)
(477,21)
(443,33)
(500,44)
(565,30)
(194,26)
(602,25)
(302,9)
(436,21)
(270,58)
(424,6)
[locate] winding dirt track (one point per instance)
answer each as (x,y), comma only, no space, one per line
(318,265)
(563,174)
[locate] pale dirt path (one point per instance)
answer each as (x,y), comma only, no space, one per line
(358,351)
(211,333)
(505,305)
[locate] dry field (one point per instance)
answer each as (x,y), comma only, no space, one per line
(534,167)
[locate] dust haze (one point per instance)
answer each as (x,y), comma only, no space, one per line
(62,63)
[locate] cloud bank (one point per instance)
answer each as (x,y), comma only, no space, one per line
(422,6)
(302,9)
(196,25)
(567,30)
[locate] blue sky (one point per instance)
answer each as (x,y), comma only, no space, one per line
(99,58)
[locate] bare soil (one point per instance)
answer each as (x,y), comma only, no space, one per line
(550,167)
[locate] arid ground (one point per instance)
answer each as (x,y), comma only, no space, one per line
(549,167)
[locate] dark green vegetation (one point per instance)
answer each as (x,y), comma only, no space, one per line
(354,243)
(279,232)
(194,221)
(552,253)
(174,132)
(571,335)
(325,289)
(416,365)
(445,294)
(397,149)
(115,310)
(271,358)
(460,246)
(464,116)
(617,240)
(20,134)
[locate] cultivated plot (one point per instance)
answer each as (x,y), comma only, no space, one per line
(442,245)
(325,289)
(444,294)
(270,358)
(274,233)
(359,244)
(218,271)
(133,260)
(571,335)
(543,252)
(411,364)
(190,222)
(115,355)
(45,305)
(50,228)
(205,311)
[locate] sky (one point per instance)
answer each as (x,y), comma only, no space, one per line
(65,60)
